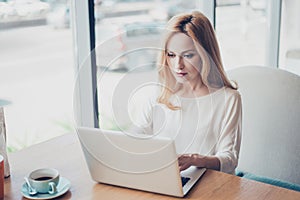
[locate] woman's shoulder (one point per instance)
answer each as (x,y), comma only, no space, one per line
(227,92)
(232,92)
(232,95)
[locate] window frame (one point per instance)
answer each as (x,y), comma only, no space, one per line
(85,103)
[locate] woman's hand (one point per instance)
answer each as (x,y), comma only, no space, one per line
(187,160)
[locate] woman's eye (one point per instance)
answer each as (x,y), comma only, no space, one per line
(188,55)
(171,55)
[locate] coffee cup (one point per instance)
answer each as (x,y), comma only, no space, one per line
(44,180)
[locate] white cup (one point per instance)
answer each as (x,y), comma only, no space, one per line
(44,180)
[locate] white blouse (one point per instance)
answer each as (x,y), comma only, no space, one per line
(208,125)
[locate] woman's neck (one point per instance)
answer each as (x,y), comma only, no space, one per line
(193,90)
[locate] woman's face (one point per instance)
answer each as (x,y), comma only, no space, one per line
(183,58)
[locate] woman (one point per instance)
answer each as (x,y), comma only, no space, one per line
(197,105)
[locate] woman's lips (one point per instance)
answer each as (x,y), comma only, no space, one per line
(181,74)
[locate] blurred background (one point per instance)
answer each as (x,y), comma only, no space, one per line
(37,53)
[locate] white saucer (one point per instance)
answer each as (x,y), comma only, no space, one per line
(63,186)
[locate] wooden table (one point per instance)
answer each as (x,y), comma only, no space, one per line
(64,153)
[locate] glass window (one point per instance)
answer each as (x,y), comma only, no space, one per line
(241,27)
(128,34)
(36,70)
(289,56)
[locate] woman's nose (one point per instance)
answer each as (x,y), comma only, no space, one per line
(179,63)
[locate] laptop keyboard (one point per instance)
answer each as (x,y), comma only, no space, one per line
(184,180)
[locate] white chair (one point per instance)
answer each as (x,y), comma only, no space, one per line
(271,122)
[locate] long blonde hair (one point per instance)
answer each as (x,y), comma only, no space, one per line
(199,28)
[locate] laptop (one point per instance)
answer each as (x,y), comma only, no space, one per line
(142,163)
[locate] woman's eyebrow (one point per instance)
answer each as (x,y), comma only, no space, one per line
(182,51)
(188,50)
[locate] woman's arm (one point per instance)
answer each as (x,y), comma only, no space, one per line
(228,146)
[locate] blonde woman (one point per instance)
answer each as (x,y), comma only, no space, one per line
(197,104)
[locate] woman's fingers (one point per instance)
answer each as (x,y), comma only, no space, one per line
(183,167)
(184,161)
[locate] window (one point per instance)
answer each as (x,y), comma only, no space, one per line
(241,28)
(36,70)
(128,35)
(289,57)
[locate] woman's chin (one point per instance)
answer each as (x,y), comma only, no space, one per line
(181,79)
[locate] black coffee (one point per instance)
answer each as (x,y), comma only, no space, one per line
(43,178)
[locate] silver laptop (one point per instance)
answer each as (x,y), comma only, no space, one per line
(142,163)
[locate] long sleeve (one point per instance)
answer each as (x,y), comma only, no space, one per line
(228,146)
(142,123)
